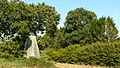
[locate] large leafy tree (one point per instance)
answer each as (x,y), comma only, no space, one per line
(77,26)
(21,19)
(78,18)
(83,27)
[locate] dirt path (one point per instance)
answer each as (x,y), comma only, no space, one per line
(61,65)
(64,65)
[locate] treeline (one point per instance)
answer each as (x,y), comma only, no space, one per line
(84,39)
(81,27)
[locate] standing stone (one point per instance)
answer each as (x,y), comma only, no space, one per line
(31,47)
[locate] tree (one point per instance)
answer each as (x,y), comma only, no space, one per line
(77,26)
(3,16)
(17,17)
(83,27)
(78,18)
(110,31)
(20,20)
(56,41)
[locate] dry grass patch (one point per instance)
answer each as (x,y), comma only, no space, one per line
(65,65)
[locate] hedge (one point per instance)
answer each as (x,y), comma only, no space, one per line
(107,54)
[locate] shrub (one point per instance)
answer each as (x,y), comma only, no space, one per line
(67,55)
(101,54)
(10,49)
(95,54)
(53,53)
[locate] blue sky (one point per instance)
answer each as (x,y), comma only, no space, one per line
(100,7)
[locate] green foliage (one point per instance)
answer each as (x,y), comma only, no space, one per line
(59,39)
(10,50)
(53,53)
(95,54)
(101,54)
(73,33)
(110,31)
(78,18)
(56,41)
(43,42)
(11,55)
(81,27)
(19,18)
(67,55)
(24,62)
(77,26)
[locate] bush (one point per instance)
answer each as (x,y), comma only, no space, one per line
(43,42)
(95,54)
(67,55)
(10,49)
(101,54)
(12,56)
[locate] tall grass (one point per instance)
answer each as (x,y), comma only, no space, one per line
(24,62)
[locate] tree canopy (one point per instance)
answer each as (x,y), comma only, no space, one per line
(78,18)
(77,26)
(20,18)
(82,27)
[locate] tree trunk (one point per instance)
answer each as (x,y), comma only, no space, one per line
(31,47)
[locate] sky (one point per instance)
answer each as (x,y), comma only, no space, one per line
(100,7)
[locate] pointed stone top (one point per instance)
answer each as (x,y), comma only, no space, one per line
(32,34)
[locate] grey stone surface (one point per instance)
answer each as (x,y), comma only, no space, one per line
(31,47)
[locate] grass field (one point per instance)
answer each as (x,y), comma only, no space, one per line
(59,65)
